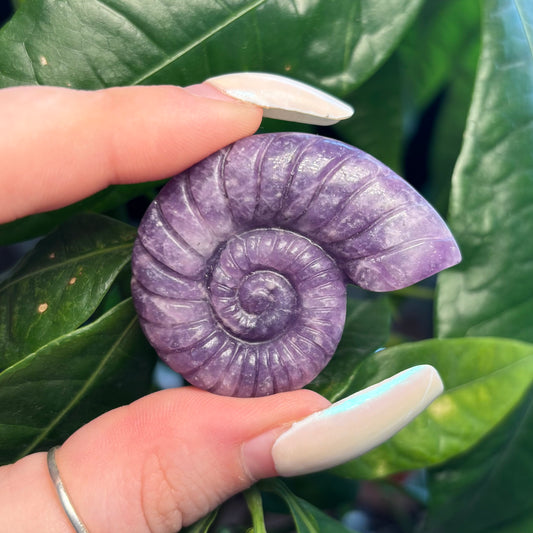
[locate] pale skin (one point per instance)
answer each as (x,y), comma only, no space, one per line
(167,459)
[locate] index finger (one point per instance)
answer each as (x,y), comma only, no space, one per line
(60,145)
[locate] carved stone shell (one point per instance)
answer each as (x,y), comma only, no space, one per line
(241,262)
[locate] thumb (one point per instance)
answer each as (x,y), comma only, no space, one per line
(171,457)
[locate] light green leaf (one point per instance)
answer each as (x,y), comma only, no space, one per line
(255,506)
(90,44)
(491,214)
(484,379)
(48,394)
(60,283)
(366,329)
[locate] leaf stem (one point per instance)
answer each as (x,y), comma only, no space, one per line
(255,506)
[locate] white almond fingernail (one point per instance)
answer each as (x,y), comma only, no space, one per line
(283,98)
(355,424)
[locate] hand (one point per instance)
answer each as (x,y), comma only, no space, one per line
(169,458)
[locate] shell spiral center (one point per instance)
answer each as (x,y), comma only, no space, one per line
(265,281)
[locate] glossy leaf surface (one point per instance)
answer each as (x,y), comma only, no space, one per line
(50,393)
(60,283)
(489,293)
(484,380)
(91,44)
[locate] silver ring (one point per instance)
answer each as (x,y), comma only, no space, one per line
(78,525)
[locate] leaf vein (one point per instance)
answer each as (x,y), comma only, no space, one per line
(82,391)
(197,42)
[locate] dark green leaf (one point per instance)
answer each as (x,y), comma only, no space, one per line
(366,329)
(91,44)
(484,379)
(490,487)
(520,525)
(377,127)
(448,135)
(435,44)
(307,518)
(255,506)
(489,293)
(60,283)
(50,393)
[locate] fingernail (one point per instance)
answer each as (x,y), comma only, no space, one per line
(349,427)
(283,98)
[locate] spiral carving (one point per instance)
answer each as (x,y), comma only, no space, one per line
(241,262)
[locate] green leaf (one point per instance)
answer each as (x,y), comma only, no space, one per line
(50,393)
(366,329)
(435,43)
(490,487)
(307,518)
(489,293)
(520,525)
(203,525)
(377,127)
(59,284)
(255,506)
(448,135)
(484,379)
(91,44)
